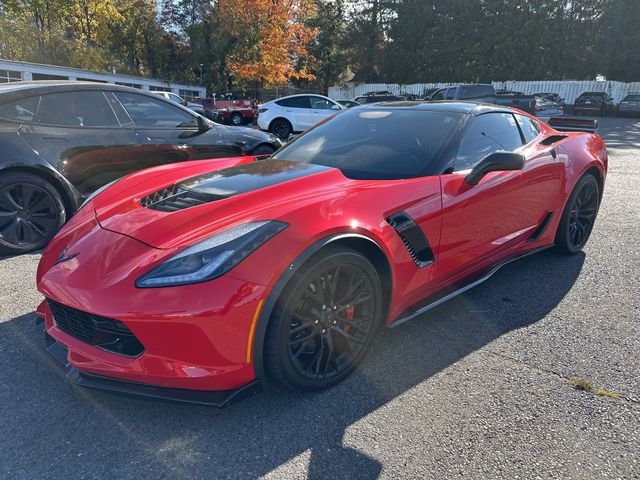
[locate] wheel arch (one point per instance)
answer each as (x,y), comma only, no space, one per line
(280,117)
(355,241)
(69,198)
(596,172)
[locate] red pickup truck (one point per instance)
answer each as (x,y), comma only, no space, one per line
(234,112)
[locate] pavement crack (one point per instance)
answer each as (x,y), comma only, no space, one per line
(571,381)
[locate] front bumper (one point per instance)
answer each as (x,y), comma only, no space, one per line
(220,398)
(195,337)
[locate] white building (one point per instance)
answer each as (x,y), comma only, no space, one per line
(12,71)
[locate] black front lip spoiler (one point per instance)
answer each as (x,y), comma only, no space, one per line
(217,399)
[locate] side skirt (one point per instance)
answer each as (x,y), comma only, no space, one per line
(460,287)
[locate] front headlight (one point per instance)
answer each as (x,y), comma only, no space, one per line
(212,257)
(98,191)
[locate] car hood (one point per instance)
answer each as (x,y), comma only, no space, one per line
(244,135)
(182,207)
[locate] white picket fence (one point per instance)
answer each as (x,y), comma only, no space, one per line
(567,89)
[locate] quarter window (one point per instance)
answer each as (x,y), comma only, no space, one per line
(487,133)
(22,110)
(530,128)
(150,112)
(80,109)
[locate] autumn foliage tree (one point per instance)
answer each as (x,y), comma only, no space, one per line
(270,38)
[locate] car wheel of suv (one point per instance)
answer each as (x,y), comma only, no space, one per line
(281,128)
(579,216)
(237,119)
(325,321)
(31,212)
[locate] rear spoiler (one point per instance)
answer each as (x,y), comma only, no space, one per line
(565,124)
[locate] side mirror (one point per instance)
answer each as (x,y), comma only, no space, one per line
(203,125)
(495,162)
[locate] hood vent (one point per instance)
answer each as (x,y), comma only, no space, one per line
(174,198)
(228,182)
(413,238)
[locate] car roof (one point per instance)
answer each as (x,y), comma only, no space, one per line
(42,87)
(301,95)
(452,106)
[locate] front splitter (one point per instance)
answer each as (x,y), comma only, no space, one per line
(218,399)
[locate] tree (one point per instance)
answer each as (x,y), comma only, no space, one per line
(270,38)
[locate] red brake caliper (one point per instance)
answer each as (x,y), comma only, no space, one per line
(349,312)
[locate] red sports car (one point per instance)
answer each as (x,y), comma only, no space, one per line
(194,283)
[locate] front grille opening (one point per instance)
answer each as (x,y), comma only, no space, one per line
(104,333)
(174,198)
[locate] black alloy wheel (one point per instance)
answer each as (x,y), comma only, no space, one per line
(579,216)
(326,322)
(31,212)
(281,128)
(237,119)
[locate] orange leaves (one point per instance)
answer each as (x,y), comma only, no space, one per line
(270,38)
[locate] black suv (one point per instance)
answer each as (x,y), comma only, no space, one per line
(599,103)
(63,140)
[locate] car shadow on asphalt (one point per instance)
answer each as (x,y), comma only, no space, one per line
(620,133)
(102,433)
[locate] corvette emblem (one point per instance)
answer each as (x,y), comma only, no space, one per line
(63,257)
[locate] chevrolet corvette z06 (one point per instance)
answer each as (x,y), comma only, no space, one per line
(199,283)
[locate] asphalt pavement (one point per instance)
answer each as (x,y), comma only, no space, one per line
(484,386)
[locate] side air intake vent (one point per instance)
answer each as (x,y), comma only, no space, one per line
(412,237)
(174,198)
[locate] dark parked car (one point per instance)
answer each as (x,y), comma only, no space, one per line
(61,141)
(599,103)
(475,92)
(629,106)
(552,97)
(487,94)
(377,97)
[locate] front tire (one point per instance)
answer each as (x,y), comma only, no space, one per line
(31,212)
(579,216)
(325,321)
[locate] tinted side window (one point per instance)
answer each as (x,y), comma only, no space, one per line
(476,91)
(321,103)
(155,113)
(361,100)
(450,94)
(530,128)
(487,133)
(439,95)
(22,110)
(82,109)
(295,102)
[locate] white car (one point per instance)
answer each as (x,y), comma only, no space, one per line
(174,97)
(295,113)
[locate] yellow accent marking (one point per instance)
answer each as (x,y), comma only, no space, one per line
(253,329)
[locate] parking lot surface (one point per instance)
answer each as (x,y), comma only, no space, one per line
(478,388)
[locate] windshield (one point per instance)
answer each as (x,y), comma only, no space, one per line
(632,98)
(376,143)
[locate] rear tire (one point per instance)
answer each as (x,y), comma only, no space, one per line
(281,128)
(31,212)
(325,321)
(579,216)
